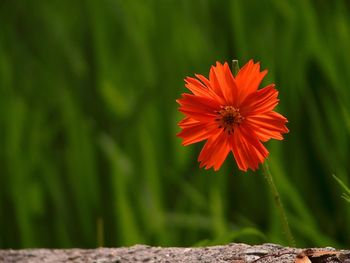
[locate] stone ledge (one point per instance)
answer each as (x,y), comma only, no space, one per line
(231,253)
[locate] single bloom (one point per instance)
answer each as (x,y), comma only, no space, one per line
(232,115)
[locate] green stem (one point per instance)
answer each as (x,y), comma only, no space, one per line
(100,235)
(278,201)
(235,67)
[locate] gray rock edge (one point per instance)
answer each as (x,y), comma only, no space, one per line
(231,253)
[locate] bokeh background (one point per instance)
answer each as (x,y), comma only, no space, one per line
(88,119)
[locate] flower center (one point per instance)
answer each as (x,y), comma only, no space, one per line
(228,118)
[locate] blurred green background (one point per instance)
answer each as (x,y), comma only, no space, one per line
(88,118)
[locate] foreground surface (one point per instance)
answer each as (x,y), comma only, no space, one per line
(231,253)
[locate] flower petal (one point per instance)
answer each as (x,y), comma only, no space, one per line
(248,79)
(268,125)
(186,122)
(205,81)
(210,92)
(197,88)
(259,102)
(214,151)
(248,151)
(215,85)
(232,84)
(226,83)
(195,131)
(198,108)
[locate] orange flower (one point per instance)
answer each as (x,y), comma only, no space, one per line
(232,114)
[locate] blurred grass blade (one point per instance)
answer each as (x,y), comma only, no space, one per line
(345,195)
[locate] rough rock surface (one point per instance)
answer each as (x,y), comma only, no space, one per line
(231,253)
